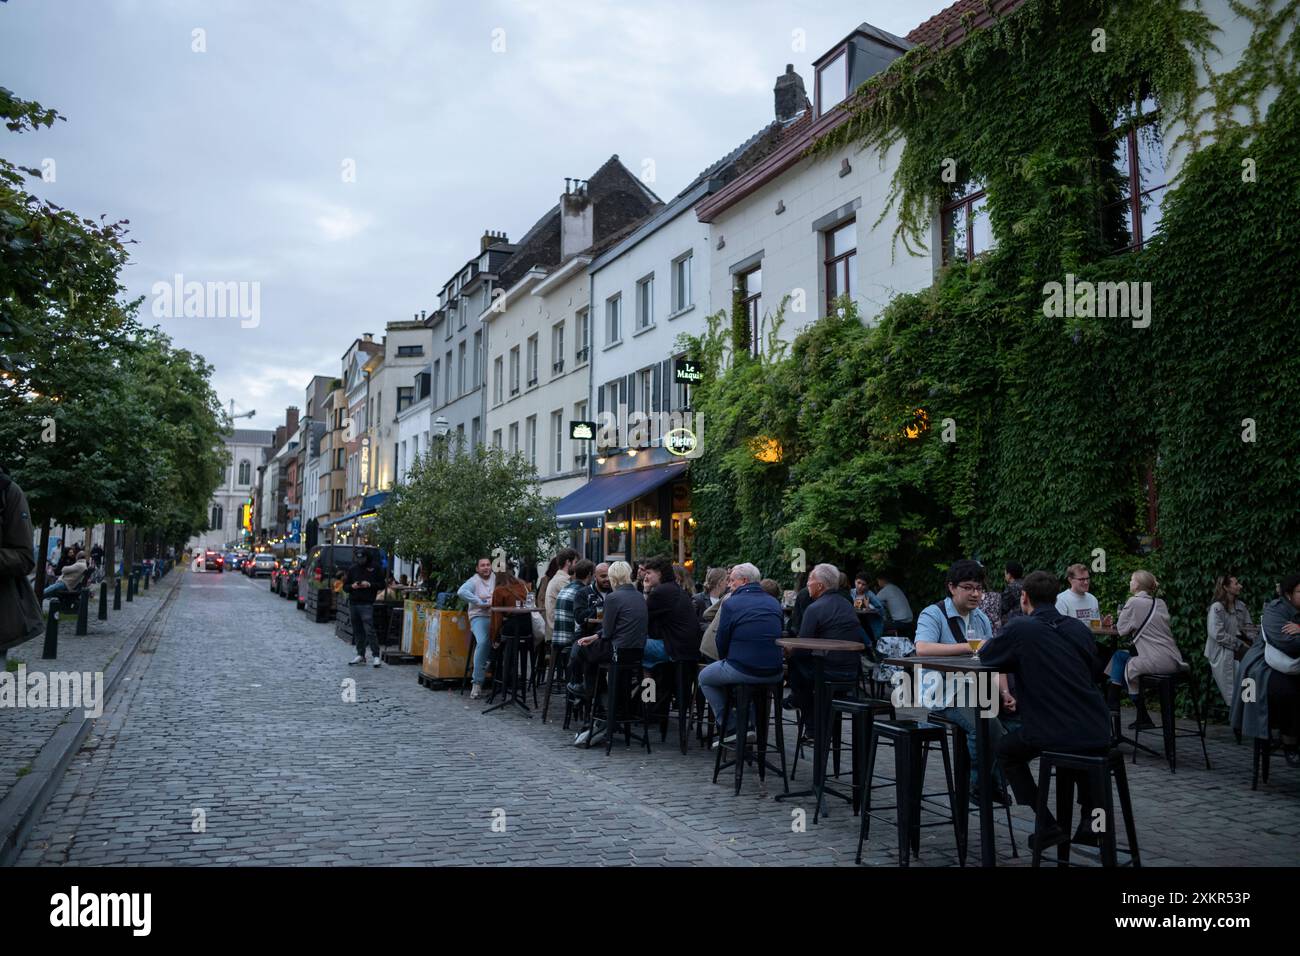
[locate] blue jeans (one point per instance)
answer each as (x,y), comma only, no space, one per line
(479,627)
(998,726)
(713,684)
(54,588)
(655,653)
(1117,664)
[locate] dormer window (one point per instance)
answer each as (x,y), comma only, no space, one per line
(833,82)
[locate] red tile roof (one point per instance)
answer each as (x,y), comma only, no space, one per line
(946,28)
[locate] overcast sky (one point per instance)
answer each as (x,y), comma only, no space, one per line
(231,164)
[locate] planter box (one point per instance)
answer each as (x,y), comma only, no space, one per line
(415,624)
(446,645)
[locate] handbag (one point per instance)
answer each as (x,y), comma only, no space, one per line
(1278,659)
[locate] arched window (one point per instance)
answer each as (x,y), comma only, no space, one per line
(245,472)
(218,518)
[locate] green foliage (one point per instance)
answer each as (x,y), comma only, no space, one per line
(99,417)
(1044,432)
(454,508)
(653,546)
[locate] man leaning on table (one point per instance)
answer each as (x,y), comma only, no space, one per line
(944,630)
(1057,696)
(830,617)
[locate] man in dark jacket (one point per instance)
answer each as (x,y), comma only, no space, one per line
(674,628)
(1274,695)
(749,623)
(830,617)
(625,626)
(20,612)
(360,585)
(1056,696)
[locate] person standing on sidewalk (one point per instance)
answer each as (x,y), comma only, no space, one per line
(359,584)
(20,612)
(477,593)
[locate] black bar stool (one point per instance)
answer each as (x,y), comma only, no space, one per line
(1166,687)
(765,699)
(1264,749)
(682,698)
(1098,770)
(961,768)
(623,675)
(909,738)
(557,672)
(834,689)
(862,714)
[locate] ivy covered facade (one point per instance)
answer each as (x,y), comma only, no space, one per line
(1007,411)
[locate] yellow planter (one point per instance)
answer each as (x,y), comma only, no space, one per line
(415,624)
(446,644)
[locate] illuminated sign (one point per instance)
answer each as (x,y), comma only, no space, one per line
(686,372)
(365,464)
(582,431)
(680,441)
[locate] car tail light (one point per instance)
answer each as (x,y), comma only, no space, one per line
(320,575)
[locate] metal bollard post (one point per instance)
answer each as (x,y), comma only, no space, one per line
(130,587)
(146,577)
(83,612)
(51,650)
(103,600)
(117,594)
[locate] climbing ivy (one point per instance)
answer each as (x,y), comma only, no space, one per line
(967,419)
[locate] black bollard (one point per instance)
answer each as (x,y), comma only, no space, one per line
(103,600)
(130,587)
(117,594)
(146,576)
(51,650)
(83,612)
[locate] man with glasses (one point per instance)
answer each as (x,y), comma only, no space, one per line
(1076,602)
(944,630)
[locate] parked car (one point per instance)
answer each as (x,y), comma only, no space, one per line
(323,563)
(262,565)
(300,588)
(287,583)
(212,561)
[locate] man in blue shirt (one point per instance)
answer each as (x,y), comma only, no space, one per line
(944,630)
(749,623)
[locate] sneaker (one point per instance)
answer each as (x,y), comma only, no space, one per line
(582,738)
(1052,836)
(376,661)
(476,692)
(359,659)
(577,690)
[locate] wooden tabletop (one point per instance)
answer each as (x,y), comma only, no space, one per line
(818,644)
(512,610)
(866,612)
(958,664)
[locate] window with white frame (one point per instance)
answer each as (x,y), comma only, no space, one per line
(645,302)
(532,360)
(614,319)
(840,261)
(645,381)
(581,336)
(437,374)
(514,370)
(496,438)
(476,376)
(446,386)
(580,447)
(246,472)
(514,438)
(557,348)
(461,381)
(498,380)
(682,282)
(530,437)
(557,440)
(833,82)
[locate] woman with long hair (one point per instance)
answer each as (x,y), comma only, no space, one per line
(1146,618)
(1225,625)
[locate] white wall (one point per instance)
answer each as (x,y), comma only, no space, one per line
(526,314)
(654,254)
(793,251)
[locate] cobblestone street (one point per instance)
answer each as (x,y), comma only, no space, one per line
(233,706)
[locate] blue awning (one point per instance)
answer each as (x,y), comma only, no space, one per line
(374,500)
(605,492)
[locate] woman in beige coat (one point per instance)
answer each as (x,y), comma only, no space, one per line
(1146,618)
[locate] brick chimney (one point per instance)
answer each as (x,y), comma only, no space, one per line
(791,99)
(577,218)
(491,238)
(290,421)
